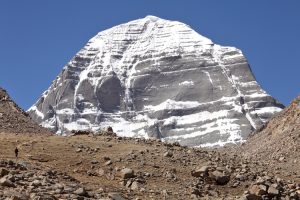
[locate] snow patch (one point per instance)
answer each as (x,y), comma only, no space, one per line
(223,126)
(171,104)
(266,110)
(187,83)
(208,75)
(36,110)
(249,118)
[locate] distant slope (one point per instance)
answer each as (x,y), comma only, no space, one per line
(13,119)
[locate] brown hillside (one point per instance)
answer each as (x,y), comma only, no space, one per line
(278,143)
(13,119)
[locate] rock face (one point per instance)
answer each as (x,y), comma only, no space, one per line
(13,119)
(157,78)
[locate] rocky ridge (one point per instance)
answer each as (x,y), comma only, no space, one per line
(157,78)
(13,119)
(278,142)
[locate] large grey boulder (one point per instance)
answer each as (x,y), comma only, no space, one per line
(157,78)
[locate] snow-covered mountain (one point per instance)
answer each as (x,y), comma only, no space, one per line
(157,78)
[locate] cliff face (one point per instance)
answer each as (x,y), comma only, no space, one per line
(157,78)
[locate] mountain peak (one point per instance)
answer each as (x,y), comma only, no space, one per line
(150,34)
(152,18)
(157,78)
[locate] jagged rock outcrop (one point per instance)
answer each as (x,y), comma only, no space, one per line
(157,78)
(13,119)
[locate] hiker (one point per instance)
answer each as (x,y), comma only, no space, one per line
(16,152)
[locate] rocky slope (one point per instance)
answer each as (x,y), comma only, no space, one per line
(279,141)
(157,78)
(108,167)
(13,119)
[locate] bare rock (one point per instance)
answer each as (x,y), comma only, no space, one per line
(100,172)
(78,150)
(127,173)
(115,196)
(80,192)
(109,162)
(168,154)
(220,178)
(3,172)
(272,191)
(258,190)
(135,185)
(6,182)
(199,172)
(252,197)
(94,162)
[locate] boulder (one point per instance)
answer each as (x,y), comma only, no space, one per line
(199,172)
(80,192)
(258,190)
(220,178)
(126,173)
(4,181)
(135,185)
(3,172)
(272,191)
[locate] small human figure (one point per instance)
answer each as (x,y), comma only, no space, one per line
(16,152)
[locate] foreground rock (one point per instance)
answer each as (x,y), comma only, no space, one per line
(39,183)
(220,177)
(127,173)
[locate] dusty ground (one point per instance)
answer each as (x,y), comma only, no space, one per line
(159,175)
(60,153)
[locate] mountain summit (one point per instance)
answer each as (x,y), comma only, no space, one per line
(157,78)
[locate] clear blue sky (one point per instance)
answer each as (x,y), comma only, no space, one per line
(37,38)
